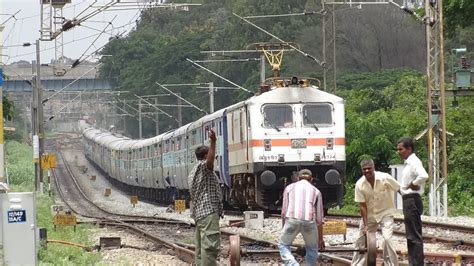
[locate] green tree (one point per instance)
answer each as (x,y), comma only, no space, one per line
(458,13)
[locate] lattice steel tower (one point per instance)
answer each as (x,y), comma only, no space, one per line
(436,94)
(438,161)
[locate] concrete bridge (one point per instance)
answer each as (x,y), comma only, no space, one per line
(54,78)
(86,94)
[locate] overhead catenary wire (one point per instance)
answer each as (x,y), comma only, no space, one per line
(72,82)
(128,113)
(305,13)
(71,42)
(219,76)
(321,63)
(98,36)
(186,101)
(17,74)
(11,16)
(159,109)
(227,60)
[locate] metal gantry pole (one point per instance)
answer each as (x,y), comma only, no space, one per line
(2,148)
(40,118)
(329,44)
(157,117)
(438,165)
(140,119)
(180,111)
(34,130)
(262,68)
(211,97)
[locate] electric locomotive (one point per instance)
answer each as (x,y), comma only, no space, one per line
(262,143)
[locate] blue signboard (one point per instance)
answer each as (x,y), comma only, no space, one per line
(16,216)
(1,76)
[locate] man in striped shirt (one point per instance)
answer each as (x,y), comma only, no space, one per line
(302,212)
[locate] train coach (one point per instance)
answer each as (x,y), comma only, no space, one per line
(262,143)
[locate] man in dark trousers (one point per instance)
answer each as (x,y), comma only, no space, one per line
(206,203)
(171,188)
(414,177)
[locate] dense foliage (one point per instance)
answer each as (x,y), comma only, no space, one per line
(378,116)
(380,55)
(157,50)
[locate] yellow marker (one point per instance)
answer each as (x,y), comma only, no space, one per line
(52,160)
(133,200)
(65,220)
(334,227)
(179,205)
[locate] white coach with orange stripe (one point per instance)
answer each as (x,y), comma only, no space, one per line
(262,143)
(291,125)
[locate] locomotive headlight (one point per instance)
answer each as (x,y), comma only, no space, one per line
(333,177)
(268,144)
(268,178)
(317,158)
(281,158)
(329,143)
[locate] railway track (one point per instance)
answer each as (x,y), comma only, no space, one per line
(152,228)
(454,250)
(78,202)
(260,250)
(433,232)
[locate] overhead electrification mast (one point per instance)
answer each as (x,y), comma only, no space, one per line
(436,94)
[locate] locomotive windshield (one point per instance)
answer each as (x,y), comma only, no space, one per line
(278,116)
(317,114)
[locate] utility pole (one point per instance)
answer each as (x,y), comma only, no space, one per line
(436,98)
(140,118)
(438,160)
(211,97)
(157,117)
(2,148)
(262,68)
(180,110)
(37,122)
(329,44)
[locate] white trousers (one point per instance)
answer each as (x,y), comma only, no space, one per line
(390,256)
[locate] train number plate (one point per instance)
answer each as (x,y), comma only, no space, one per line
(298,143)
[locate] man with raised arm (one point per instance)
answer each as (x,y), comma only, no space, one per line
(206,201)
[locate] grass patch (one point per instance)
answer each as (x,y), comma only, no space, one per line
(20,169)
(59,254)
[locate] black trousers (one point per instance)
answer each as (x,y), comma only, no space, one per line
(412,210)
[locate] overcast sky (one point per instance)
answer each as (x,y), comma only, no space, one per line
(25,28)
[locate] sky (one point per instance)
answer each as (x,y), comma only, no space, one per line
(78,42)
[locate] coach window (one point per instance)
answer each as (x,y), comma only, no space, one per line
(278,116)
(193,137)
(317,114)
(179,143)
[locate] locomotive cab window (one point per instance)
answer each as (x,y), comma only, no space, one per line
(278,116)
(317,114)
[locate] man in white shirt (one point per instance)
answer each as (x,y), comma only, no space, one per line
(374,193)
(414,177)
